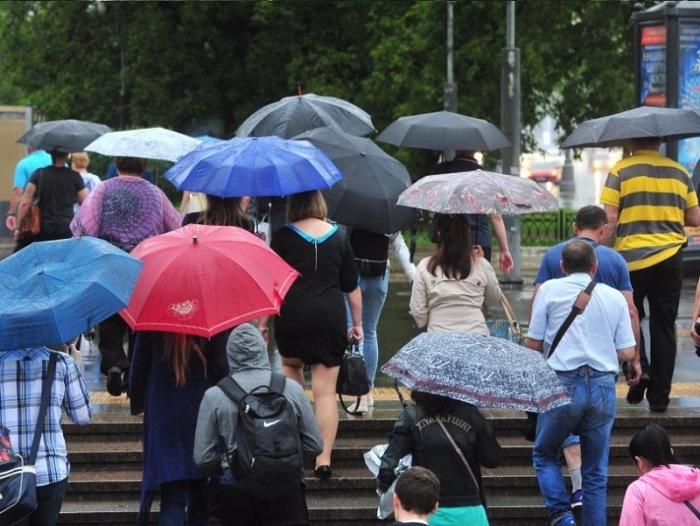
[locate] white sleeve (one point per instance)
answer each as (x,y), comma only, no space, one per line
(400,250)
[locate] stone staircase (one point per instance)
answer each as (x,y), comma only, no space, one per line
(105,457)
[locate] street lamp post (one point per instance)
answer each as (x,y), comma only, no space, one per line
(510,124)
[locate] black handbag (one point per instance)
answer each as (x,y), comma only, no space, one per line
(352,377)
(17,477)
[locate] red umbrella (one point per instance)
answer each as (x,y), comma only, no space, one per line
(203,279)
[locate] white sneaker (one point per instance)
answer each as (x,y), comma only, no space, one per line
(360,406)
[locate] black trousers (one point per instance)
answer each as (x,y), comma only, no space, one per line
(233,507)
(661,285)
(112,333)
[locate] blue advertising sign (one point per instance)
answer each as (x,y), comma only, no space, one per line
(652,67)
(689,87)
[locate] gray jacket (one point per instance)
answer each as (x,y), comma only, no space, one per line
(218,414)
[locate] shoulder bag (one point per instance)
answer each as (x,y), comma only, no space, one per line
(352,377)
(577,308)
(509,328)
(17,478)
(31,222)
(464,460)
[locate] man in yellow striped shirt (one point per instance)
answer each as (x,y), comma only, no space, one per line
(648,199)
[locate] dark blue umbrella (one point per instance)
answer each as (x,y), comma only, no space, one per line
(52,291)
(254,166)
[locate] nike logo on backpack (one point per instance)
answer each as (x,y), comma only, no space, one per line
(268,424)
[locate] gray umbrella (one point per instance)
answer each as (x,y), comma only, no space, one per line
(669,124)
(444,130)
(477,369)
(291,116)
(70,135)
(366,197)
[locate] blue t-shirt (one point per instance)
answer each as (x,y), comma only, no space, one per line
(612,268)
(30,164)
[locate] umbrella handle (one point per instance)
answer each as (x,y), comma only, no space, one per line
(398,392)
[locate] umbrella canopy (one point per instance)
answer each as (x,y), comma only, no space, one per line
(291,116)
(444,130)
(69,135)
(477,369)
(254,166)
(669,124)
(148,143)
(54,290)
(204,279)
(366,197)
(478,192)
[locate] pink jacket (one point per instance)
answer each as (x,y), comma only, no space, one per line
(656,498)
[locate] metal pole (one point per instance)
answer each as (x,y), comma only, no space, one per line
(510,124)
(450,86)
(567,186)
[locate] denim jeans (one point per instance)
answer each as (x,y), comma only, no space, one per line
(591,415)
(182,499)
(374,289)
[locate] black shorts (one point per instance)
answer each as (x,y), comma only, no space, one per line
(234,507)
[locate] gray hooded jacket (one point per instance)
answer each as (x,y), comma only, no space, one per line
(218,414)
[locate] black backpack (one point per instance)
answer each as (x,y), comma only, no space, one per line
(267,463)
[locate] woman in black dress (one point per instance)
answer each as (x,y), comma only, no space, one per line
(311,326)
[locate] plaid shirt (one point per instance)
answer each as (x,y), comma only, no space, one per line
(22,373)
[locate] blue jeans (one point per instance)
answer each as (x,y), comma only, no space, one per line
(374,289)
(591,415)
(182,499)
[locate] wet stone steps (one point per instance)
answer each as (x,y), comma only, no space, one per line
(106,456)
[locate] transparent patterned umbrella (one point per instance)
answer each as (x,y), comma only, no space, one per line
(477,369)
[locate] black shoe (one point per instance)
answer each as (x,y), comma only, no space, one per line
(658,408)
(114,381)
(323,472)
(636,392)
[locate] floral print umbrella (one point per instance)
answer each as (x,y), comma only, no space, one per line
(478,369)
(478,192)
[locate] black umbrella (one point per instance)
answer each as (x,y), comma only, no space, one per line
(291,116)
(366,197)
(444,130)
(70,135)
(669,124)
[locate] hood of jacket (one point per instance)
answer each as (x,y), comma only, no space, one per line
(246,350)
(677,482)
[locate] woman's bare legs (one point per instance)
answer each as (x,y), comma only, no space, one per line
(294,368)
(323,380)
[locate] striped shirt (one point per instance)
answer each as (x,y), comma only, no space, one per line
(22,373)
(651,193)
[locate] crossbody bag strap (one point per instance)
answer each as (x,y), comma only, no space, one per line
(45,399)
(692,508)
(510,315)
(459,452)
(578,307)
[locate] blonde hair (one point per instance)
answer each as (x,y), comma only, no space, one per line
(81,160)
(305,205)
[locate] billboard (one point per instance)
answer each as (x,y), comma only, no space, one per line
(652,66)
(689,87)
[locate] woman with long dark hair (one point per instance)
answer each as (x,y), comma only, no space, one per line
(452,285)
(665,492)
(222,211)
(168,377)
(423,430)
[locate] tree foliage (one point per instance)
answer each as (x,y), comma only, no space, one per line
(202,67)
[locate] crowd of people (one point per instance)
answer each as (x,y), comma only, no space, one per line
(587,306)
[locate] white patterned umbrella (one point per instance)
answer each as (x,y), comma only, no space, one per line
(477,369)
(147,143)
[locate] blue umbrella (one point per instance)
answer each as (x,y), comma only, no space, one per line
(254,166)
(52,291)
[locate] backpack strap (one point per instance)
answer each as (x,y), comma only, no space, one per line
(45,400)
(277,383)
(577,308)
(231,389)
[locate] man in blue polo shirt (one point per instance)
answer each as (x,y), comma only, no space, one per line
(34,160)
(612,270)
